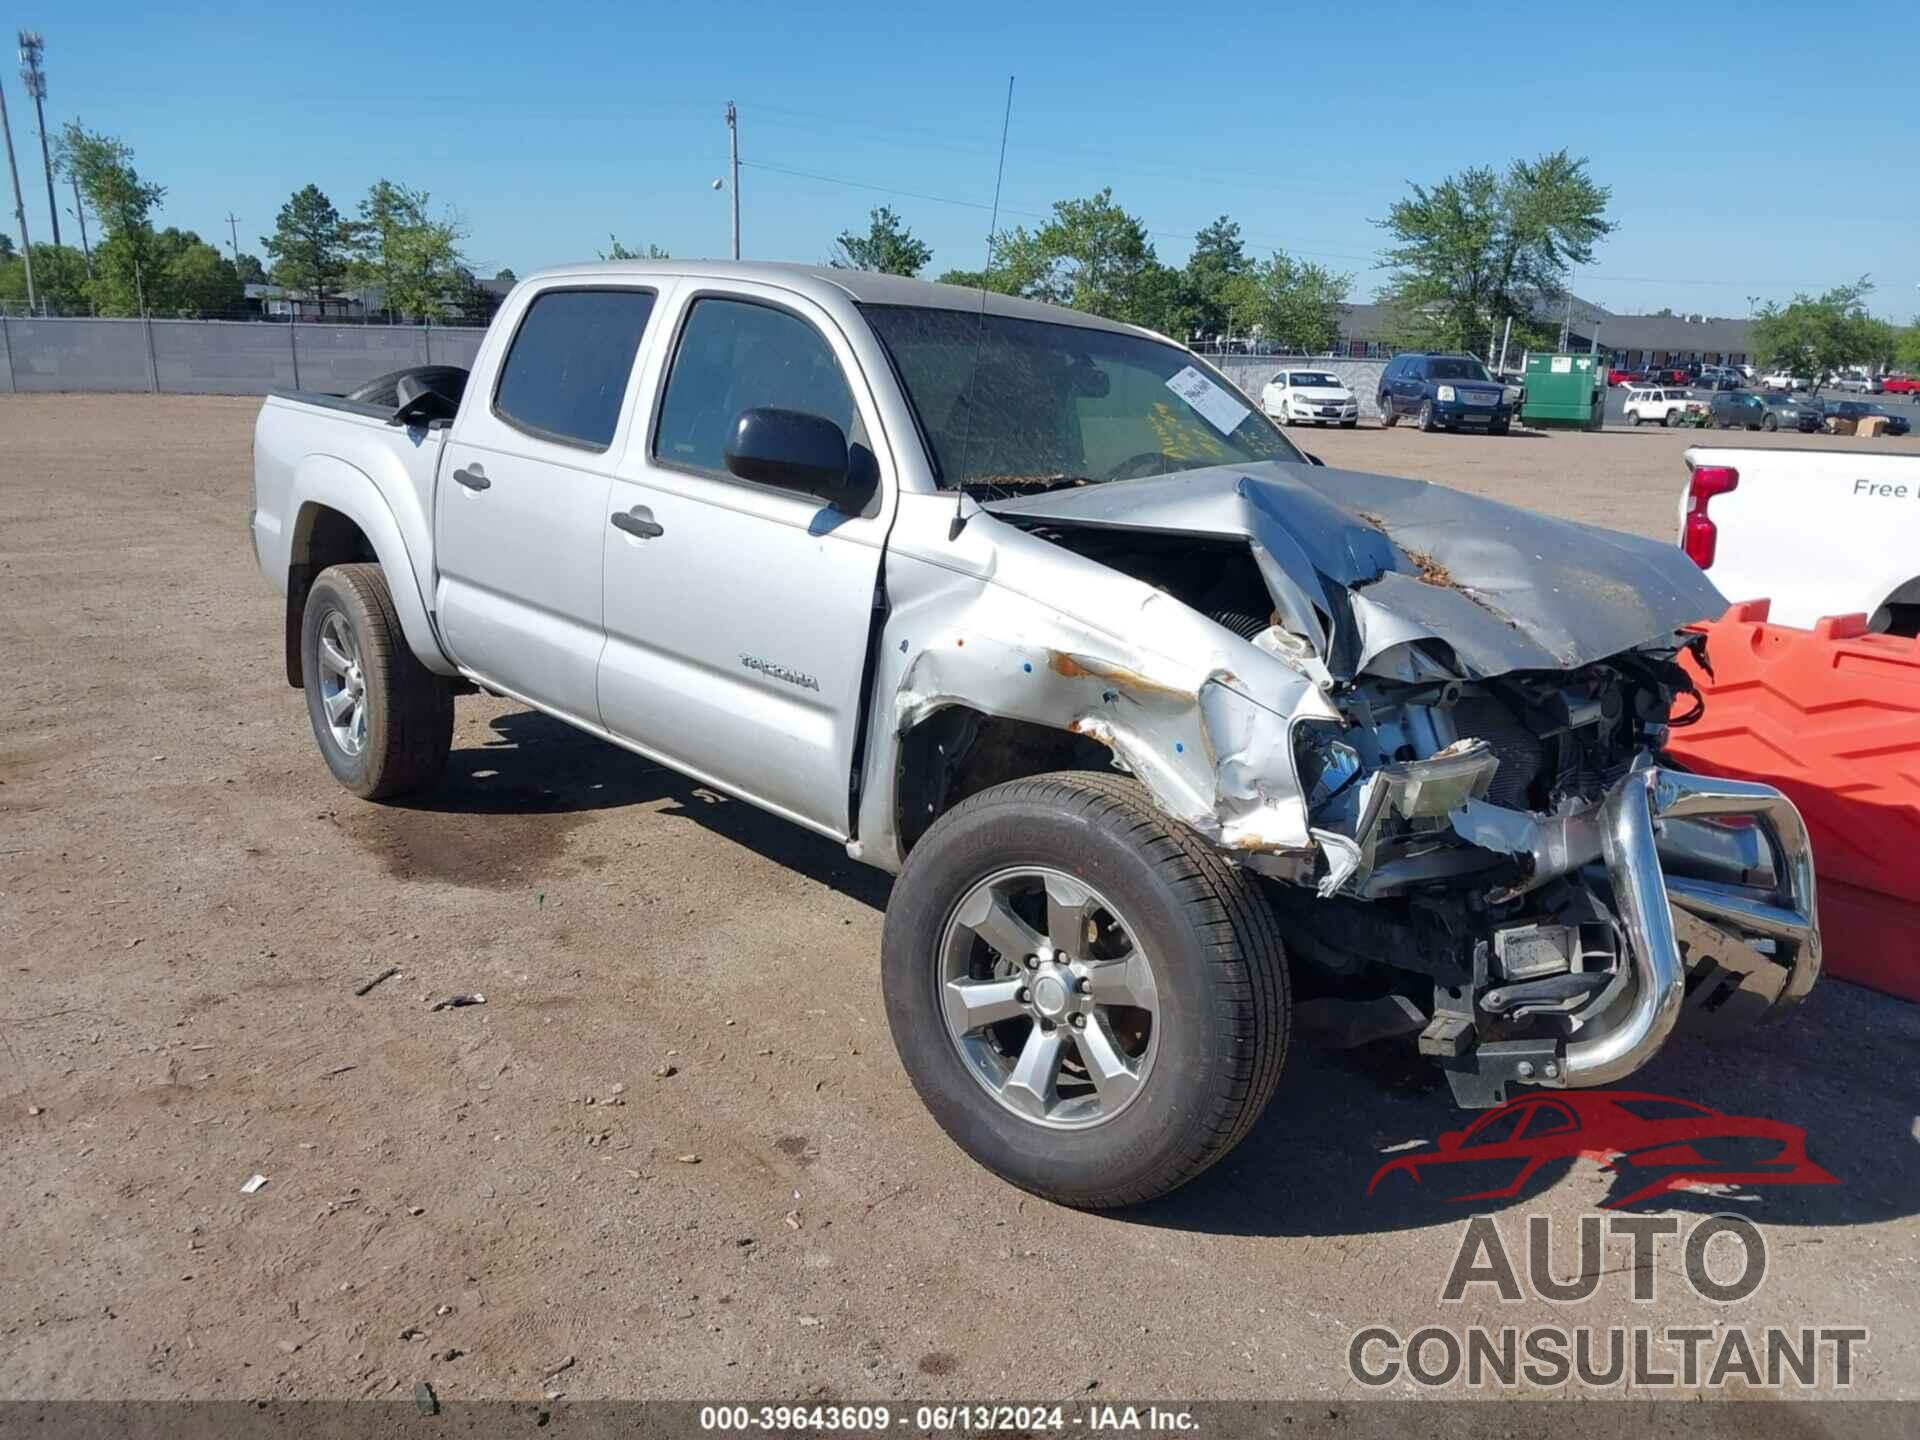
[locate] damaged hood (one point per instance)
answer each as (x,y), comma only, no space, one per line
(1361,564)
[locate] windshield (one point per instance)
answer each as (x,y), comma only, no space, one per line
(1456,367)
(1010,405)
(1314,379)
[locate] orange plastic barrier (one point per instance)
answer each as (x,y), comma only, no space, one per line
(1832,717)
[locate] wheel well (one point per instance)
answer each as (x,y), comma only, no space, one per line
(1899,613)
(322,536)
(957,752)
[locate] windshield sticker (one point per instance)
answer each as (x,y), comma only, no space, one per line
(1215,405)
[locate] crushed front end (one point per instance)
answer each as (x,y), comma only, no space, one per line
(1564,898)
(1468,823)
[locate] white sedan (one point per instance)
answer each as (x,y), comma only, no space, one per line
(1303,397)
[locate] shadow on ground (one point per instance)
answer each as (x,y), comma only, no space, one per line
(1841,1068)
(538,766)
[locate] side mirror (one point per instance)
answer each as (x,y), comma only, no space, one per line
(797,451)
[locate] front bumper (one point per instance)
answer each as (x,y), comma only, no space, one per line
(1712,884)
(1455,412)
(1639,841)
(1323,413)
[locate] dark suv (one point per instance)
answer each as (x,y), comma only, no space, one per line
(1443,392)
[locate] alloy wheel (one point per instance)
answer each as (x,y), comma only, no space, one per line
(1048,998)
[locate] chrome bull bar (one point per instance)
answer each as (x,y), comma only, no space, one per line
(1632,818)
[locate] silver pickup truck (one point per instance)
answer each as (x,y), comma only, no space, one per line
(1167,731)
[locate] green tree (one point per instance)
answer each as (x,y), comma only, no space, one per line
(888,247)
(617,251)
(1906,346)
(59,279)
(309,245)
(506,274)
(194,278)
(1218,260)
(1817,335)
(124,204)
(7,250)
(1482,247)
(399,246)
(1294,302)
(250,270)
(1092,256)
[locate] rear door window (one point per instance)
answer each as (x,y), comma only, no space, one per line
(565,375)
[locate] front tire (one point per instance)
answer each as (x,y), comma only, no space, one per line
(1427,423)
(1770,423)
(383,721)
(1091,1002)
(1388,419)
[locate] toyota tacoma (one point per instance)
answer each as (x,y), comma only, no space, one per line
(1164,728)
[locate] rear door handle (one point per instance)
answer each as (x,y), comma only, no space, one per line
(473,477)
(638,521)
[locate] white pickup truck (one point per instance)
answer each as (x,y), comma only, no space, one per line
(1816,532)
(1155,718)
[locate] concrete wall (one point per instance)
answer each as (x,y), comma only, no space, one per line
(215,357)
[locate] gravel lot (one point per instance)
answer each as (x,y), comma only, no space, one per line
(473,1197)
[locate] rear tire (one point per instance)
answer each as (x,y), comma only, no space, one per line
(1216,1033)
(383,721)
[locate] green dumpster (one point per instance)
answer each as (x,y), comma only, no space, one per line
(1565,390)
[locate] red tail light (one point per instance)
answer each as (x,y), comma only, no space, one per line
(1699,535)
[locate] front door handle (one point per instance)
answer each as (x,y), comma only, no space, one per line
(638,521)
(473,477)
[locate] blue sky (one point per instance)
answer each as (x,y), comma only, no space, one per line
(1745,144)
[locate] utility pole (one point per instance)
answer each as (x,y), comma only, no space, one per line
(233,236)
(35,79)
(19,204)
(733,183)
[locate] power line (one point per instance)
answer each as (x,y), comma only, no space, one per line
(875,187)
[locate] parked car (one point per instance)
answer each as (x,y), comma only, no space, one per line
(1625,377)
(1782,380)
(1671,374)
(1857,410)
(1720,377)
(1444,392)
(1900,384)
(1860,384)
(1027,607)
(1302,397)
(1658,405)
(1774,410)
(1814,532)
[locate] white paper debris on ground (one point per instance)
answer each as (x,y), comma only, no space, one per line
(254,1183)
(1216,406)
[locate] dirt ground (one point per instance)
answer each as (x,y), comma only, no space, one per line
(673,1154)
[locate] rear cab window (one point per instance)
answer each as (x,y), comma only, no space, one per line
(566,372)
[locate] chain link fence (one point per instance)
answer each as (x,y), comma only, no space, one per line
(215,357)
